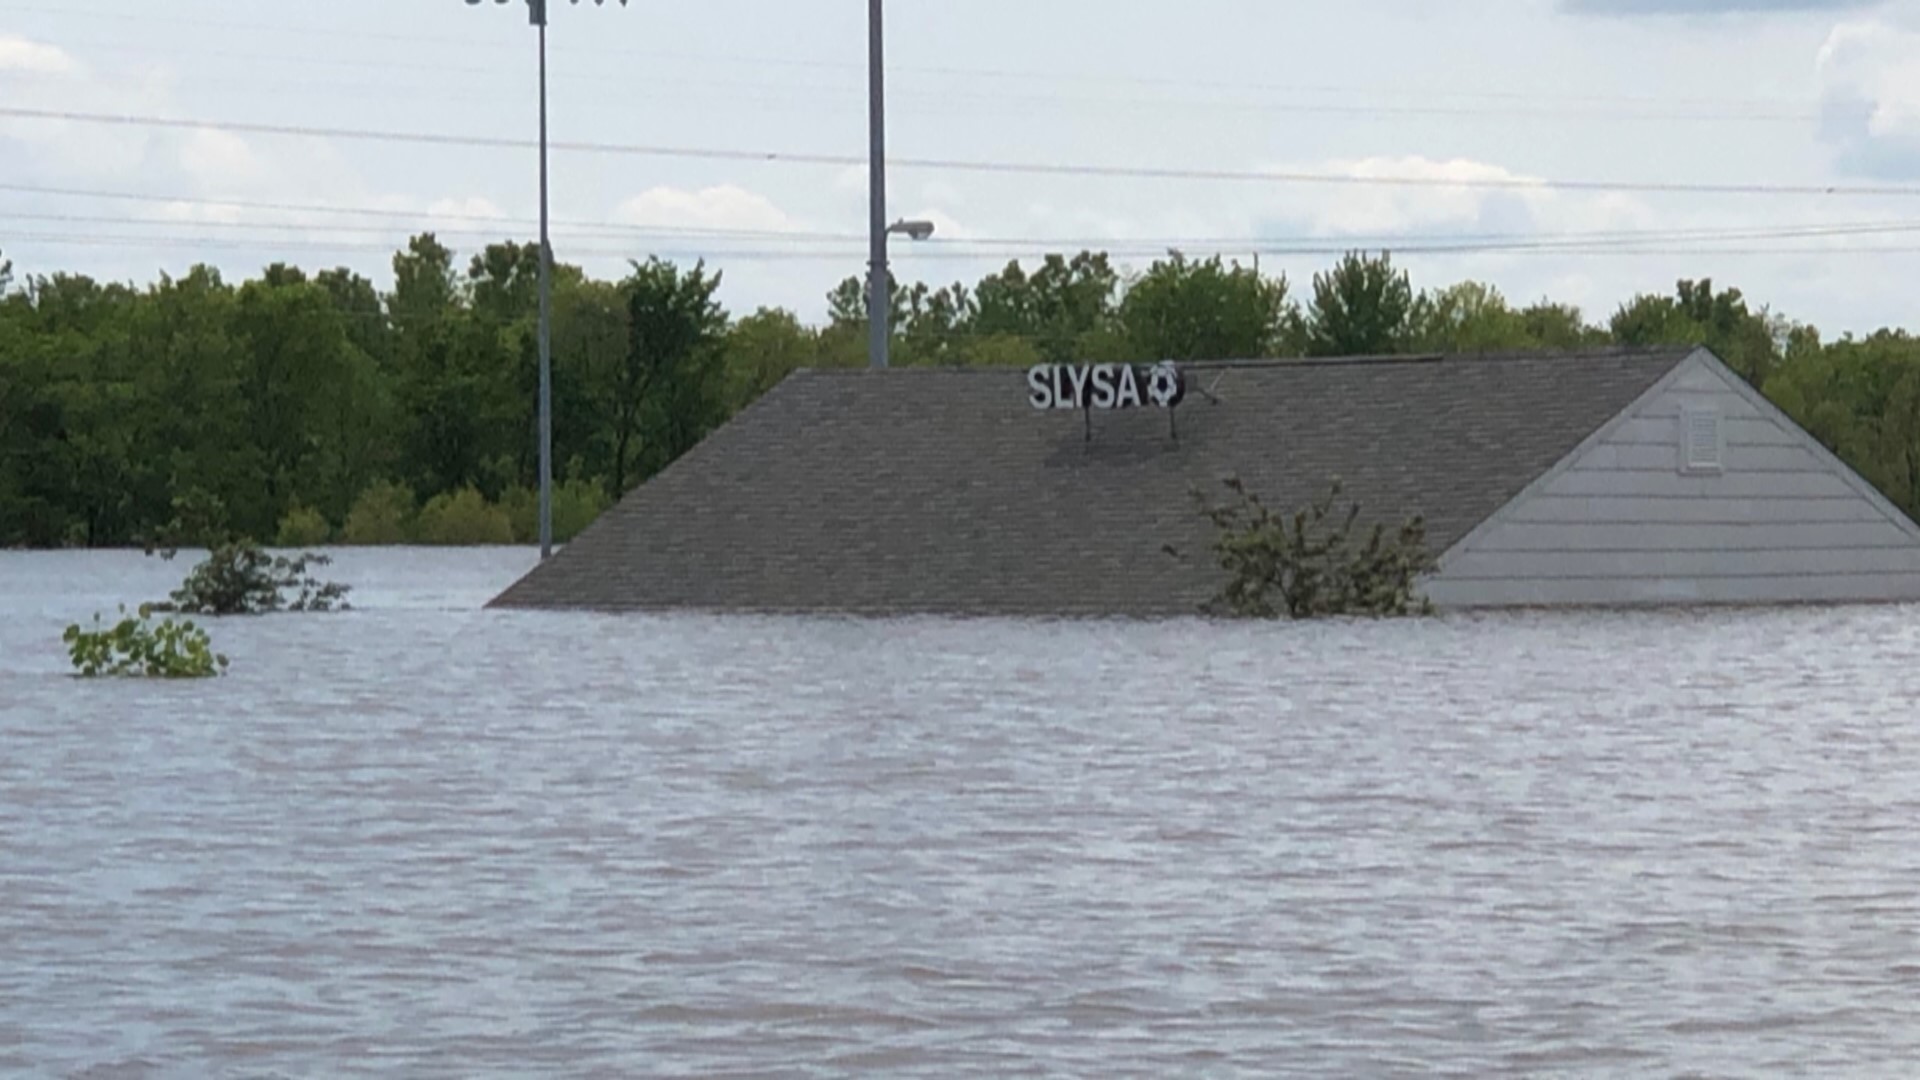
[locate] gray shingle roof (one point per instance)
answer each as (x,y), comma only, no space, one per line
(943,491)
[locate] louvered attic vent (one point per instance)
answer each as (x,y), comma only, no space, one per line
(1700,440)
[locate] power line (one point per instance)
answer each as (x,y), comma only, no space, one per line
(766,92)
(607,231)
(1048,245)
(1423,94)
(854,255)
(429,221)
(777,157)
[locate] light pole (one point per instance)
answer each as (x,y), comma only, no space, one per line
(879,292)
(879,287)
(537,14)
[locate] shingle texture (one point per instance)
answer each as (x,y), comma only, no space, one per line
(943,492)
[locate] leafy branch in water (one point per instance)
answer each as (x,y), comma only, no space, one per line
(1305,566)
(239,578)
(138,647)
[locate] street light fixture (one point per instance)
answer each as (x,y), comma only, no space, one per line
(918,230)
(537,15)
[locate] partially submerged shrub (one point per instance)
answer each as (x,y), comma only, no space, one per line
(303,527)
(241,579)
(1303,567)
(138,647)
(576,505)
(383,514)
(463,517)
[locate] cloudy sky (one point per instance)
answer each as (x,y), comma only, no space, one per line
(1578,149)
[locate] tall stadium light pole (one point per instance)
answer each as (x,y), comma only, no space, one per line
(879,290)
(537,13)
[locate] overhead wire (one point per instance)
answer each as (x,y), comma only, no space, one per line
(854,254)
(563,47)
(1079,170)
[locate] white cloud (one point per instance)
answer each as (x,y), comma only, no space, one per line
(1869,73)
(721,207)
(1452,196)
(17,54)
(219,159)
(457,209)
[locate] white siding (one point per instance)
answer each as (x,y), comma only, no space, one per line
(1622,523)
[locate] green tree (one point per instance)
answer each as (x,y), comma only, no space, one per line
(1559,326)
(1362,307)
(589,349)
(1861,398)
(671,389)
(762,349)
(1208,310)
(360,305)
(1749,341)
(1465,318)
(308,395)
(1060,308)
(424,286)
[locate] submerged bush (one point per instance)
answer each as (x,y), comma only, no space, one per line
(1302,567)
(463,517)
(241,579)
(576,505)
(383,514)
(138,647)
(303,527)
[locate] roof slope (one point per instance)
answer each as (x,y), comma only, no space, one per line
(944,491)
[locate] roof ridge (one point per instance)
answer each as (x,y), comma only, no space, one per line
(1598,352)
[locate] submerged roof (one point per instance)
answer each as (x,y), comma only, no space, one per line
(944,491)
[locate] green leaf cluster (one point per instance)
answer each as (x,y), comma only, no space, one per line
(138,647)
(239,578)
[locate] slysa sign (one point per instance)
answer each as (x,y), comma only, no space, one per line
(1106,386)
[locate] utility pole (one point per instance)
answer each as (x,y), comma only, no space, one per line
(879,285)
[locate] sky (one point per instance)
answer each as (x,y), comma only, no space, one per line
(1578,150)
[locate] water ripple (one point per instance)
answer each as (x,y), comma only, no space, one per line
(424,840)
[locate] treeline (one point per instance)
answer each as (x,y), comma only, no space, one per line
(307,409)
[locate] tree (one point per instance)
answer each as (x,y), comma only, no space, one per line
(1861,399)
(762,349)
(308,396)
(670,391)
(1748,341)
(1558,326)
(1465,318)
(365,315)
(934,328)
(589,350)
(424,288)
(1181,310)
(1362,307)
(1059,308)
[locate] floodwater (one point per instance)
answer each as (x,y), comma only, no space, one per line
(425,840)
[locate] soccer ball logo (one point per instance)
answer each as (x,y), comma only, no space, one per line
(1165,386)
